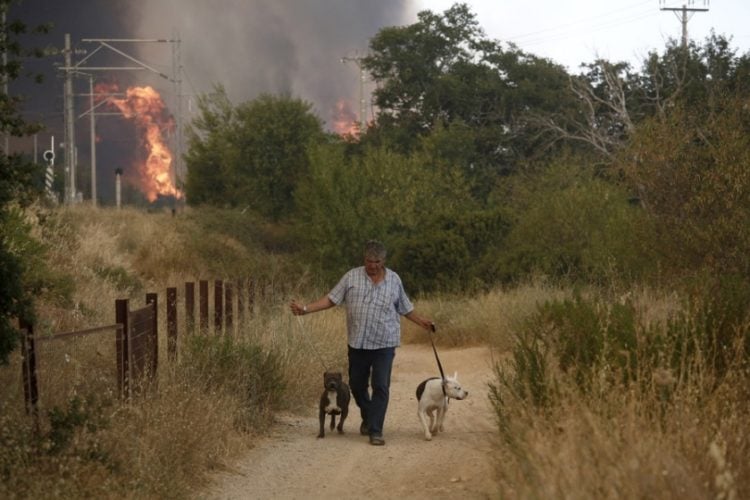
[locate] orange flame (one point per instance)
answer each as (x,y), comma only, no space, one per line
(145,107)
(345,120)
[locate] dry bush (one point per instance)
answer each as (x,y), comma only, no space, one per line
(166,440)
(627,445)
(655,432)
(162,442)
(307,346)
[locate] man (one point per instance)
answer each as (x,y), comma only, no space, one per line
(375,299)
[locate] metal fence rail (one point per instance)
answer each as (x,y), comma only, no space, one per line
(68,364)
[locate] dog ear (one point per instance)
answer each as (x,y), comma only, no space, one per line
(455,375)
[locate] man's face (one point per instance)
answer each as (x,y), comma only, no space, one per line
(373,266)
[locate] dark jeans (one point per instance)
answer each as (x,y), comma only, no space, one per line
(371,367)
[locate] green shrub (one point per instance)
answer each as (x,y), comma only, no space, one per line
(570,223)
(590,334)
(531,357)
(120,278)
(578,338)
(713,330)
(602,346)
(74,427)
(241,368)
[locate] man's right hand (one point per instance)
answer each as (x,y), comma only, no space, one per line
(297,308)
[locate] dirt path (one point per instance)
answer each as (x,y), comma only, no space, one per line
(292,463)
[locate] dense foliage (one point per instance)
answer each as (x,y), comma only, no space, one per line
(486,164)
(18,183)
(251,155)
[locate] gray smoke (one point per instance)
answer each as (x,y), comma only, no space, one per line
(267,46)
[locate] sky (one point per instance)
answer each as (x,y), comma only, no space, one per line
(576,31)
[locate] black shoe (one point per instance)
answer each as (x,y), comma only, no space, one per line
(364,429)
(377,440)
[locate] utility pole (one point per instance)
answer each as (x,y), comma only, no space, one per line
(71,70)
(177,84)
(357,59)
(92,128)
(70,168)
(684,14)
(93,141)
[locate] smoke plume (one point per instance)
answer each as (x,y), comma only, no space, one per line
(251,47)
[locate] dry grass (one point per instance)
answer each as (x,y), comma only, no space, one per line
(654,439)
(489,318)
(161,443)
(662,435)
(616,448)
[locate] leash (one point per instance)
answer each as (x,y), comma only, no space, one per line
(317,354)
(437,358)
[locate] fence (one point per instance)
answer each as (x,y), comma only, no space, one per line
(119,358)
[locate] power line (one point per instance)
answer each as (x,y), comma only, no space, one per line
(603,26)
(578,22)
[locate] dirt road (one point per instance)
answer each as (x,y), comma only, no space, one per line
(292,463)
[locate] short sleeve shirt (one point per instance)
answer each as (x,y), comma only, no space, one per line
(373,311)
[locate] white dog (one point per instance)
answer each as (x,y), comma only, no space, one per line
(433,394)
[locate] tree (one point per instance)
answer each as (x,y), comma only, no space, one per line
(273,137)
(422,210)
(419,67)
(211,152)
(601,117)
(18,180)
(443,72)
(692,75)
(251,155)
(569,223)
(690,172)
(608,100)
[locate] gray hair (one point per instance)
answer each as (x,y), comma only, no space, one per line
(375,249)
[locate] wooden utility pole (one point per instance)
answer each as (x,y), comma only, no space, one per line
(684,14)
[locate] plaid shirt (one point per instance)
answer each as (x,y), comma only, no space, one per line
(372,311)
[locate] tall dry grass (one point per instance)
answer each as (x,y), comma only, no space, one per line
(672,425)
(659,436)
(487,318)
(204,409)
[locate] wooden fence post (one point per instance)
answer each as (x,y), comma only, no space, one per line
(228,309)
(121,347)
(190,307)
(171,323)
(153,300)
(203,306)
(218,308)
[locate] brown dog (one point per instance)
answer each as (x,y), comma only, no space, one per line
(334,401)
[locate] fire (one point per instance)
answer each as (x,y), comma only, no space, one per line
(145,107)
(345,120)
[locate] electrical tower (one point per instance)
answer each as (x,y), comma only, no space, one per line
(684,14)
(357,59)
(74,69)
